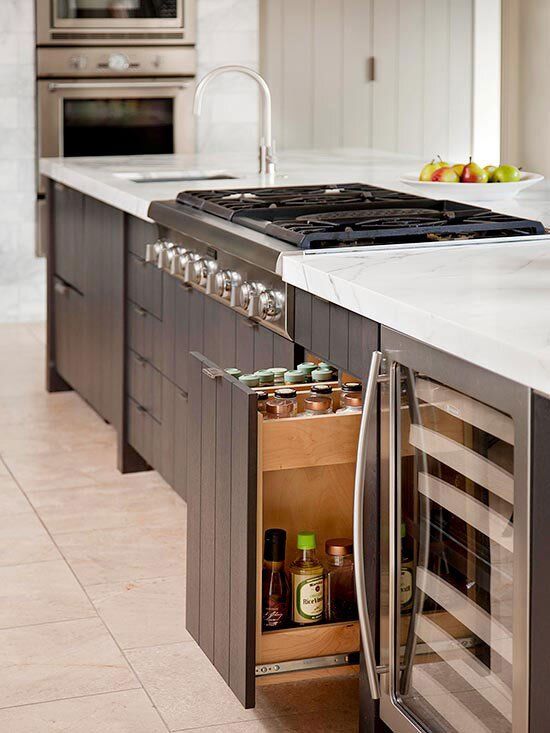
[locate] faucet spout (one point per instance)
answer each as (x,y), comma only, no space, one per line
(267,147)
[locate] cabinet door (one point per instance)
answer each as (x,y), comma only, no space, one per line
(69,331)
(180,442)
(221,505)
(68,211)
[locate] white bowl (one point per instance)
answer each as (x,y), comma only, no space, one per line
(471,191)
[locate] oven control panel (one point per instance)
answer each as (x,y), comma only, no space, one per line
(251,291)
(89,61)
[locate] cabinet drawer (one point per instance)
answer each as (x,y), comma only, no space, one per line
(180,442)
(145,284)
(144,432)
(246,475)
(144,334)
(70,247)
(139,234)
(145,384)
(69,335)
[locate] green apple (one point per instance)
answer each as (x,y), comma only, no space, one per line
(445,175)
(473,173)
(490,170)
(507,174)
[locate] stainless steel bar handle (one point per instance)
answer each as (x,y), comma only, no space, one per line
(369,407)
(128,84)
(394,535)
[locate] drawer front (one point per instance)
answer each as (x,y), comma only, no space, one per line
(68,236)
(144,334)
(139,234)
(166,465)
(145,384)
(144,432)
(69,335)
(145,285)
(180,443)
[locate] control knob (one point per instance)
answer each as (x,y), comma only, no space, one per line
(78,62)
(249,293)
(235,295)
(152,251)
(224,280)
(270,305)
(179,257)
(118,62)
(166,253)
(193,269)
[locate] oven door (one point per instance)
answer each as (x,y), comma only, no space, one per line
(112,117)
(117,14)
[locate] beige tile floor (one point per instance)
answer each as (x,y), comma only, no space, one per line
(92,585)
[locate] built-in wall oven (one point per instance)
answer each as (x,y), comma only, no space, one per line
(95,101)
(110,21)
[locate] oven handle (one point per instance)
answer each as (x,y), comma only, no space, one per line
(369,408)
(55,85)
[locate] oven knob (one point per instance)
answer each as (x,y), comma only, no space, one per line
(209,271)
(193,270)
(235,295)
(271,303)
(78,63)
(180,255)
(226,281)
(165,255)
(248,295)
(152,251)
(118,62)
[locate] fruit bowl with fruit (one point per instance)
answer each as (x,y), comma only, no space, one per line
(469,181)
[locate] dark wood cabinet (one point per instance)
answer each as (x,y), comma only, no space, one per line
(69,333)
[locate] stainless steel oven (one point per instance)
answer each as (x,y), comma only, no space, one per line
(110,21)
(116,101)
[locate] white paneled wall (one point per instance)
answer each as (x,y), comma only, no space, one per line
(314,54)
(22,277)
(227,33)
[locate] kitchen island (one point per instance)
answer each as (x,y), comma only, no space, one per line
(456,325)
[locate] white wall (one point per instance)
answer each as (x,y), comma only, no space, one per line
(228,33)
(22,277)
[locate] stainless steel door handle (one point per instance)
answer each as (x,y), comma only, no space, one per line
(394,531)
(129,84)
(358,531)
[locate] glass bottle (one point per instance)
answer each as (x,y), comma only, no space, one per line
(351,398)
(407,565)
(251,380)
(323,389)
(317,405)
(340,598)
(266,377)
(287,393)
(279,374)
(294,376)
(276,409)
(262,400)
(307,582)
(307,367)
(275,587)
(322,374)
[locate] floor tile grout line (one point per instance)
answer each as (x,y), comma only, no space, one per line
(154,646)
(134,580)
(71,697)
(107,629)
(104,623)
(52,622)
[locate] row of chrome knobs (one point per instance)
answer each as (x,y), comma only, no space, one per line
(253,297)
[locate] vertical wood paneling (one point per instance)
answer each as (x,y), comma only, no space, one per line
(327,73)
(180,443)
(271,59)
(386,87)
(356,100)
(192,617)
(436,80)
(460,79)
(298,73)
(410,111)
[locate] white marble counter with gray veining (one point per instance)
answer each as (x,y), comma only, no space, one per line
(488,304)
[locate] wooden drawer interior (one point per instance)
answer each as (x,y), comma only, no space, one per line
(306,472)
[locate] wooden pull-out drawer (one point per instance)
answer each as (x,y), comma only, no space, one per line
(145,284)
(145,384)
(144,334)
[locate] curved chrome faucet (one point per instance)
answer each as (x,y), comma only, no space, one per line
(267,144)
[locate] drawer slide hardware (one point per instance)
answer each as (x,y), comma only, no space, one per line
(299,665)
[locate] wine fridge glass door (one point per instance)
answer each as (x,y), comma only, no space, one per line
(452,576)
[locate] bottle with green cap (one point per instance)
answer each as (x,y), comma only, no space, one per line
(307,581)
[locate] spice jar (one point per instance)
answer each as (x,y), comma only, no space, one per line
(251,380)
(262,400)
(324,390)
(276,409)
(295,377)
(351,398)
(340,598)
(279,374)
(288,393)
(266,377)
(317,405)
(306,367)
(322,374)
(234,372)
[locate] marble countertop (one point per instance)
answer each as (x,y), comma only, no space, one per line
(487,304)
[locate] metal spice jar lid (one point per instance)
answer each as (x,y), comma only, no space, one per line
(339,546)
(262,395)
(251,380)
(285,393)
(321,389)
(280,408)
(318,403)
(352,387)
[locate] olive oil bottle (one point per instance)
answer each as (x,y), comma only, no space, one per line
(307,582)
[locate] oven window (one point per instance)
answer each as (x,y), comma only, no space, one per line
(105,9)
(118,126)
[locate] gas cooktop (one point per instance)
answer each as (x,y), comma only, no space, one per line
(355,214)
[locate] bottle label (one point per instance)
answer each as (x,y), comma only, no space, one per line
(308,597)
(406,587)
(274,614)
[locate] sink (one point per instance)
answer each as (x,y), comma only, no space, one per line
(172,176)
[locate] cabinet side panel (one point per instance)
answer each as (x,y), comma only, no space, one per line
(181,335)
(320,327)
(228,338)
(222,572)
(339,336)
(243,546)
(169,286)
(302,318)
(194,498)
(245,345)
(180,443)
(540,552)
(263,348)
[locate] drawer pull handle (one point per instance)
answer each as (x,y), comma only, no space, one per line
(140,311)
(140,360)
(142,409)
(60,288)
(212,372)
